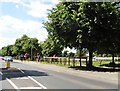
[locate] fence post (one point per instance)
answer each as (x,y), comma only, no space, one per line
(60,60)
(80,62)
(86,62)
(65,61)
(73,61)
(69,61)
(47,60)
(57,60)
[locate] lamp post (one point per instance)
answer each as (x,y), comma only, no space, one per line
(31,52)
(30,49)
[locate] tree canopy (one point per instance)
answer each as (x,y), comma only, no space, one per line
(22,45)
(91,25)
(52,46)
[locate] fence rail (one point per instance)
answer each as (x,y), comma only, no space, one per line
(75,61)
(70,61)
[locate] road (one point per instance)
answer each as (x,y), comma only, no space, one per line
(32,75)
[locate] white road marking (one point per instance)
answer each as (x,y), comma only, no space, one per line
(42,86)
(22,78)
(1,73)
(15,87)
(21,70)
(30,88)
(37,82)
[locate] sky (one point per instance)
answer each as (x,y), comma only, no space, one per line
(19,17)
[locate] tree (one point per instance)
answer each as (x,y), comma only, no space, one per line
(23,45)
(85,25)
(71,54)
(4,51)
(7,50)
(20,44)
(83,52)
(109,23)
(52,46)
(15,50)
(26,45)
(65,53)
(33,47)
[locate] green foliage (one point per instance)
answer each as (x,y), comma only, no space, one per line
(65,54)
(7,50)
(4,51)
(83,52)
(86,25)
(52,46)
(71,54)
(23,45)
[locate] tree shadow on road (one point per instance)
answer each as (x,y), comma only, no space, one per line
(98,69)
(16,73)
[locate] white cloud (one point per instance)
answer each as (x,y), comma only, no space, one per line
(55,1)
(12,28)
(35,8)
(14,1)
(17,6)
(38,9)
(5,41)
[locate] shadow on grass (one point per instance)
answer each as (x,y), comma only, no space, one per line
(98,69)
(111,65)
(15,73)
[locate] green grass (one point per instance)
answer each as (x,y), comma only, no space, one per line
(102,63)
(98,63)
(53,63)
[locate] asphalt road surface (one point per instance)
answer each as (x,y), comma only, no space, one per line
(33,75)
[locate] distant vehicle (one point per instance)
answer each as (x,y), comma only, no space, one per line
(8,58)
(1,58)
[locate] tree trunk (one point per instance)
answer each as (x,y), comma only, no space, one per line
(80,58)
(80,62)
(89,64)
(113,60)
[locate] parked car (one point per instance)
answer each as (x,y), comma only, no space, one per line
(8,58)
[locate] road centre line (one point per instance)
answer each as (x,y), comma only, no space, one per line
(1,73)
(34,80)
(21,70)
